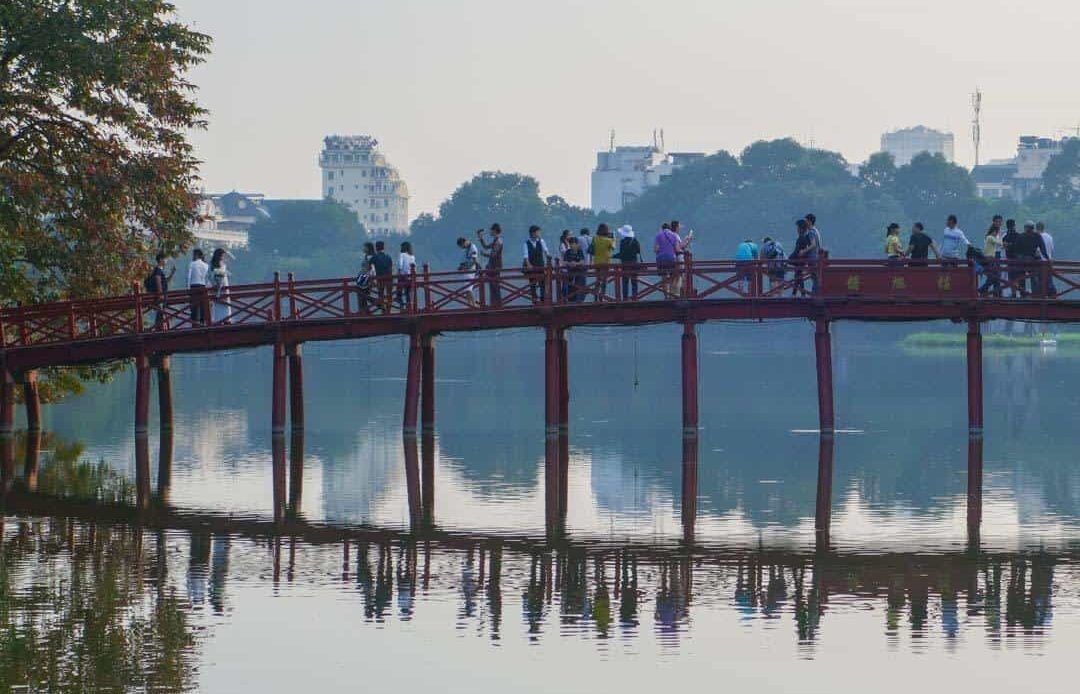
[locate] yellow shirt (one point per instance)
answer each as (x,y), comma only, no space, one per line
(992,246)
(602,249)
(892,245)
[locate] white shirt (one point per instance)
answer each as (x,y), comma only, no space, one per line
(405,263)
(196,272)
(1049,241)
(954,244)
(584,241)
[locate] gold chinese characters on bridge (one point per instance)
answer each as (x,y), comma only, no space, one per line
(903,282)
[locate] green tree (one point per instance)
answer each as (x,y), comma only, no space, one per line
(1061,180)
(879,171)
(930,188)
(96,172)
(513,200)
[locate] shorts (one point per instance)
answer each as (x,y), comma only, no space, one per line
(665,267)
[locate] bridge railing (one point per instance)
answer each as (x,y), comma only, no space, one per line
(426,292)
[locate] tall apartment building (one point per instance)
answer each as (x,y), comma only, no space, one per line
(355,173)
(623,173)
(906,143)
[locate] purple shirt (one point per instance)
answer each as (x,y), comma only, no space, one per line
(667,245)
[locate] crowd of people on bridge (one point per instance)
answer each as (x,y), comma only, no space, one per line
(1005,262)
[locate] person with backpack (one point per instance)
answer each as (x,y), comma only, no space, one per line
(773,252)
(156,285)
(364,278)
(383,265)
(629,256)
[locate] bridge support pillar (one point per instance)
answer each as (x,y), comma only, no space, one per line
(7,426)
(142,430)
(974,489)
(689,486)
(278,394)
(412,480)
(974,379)
(296,387)
(296,470)
(427,390)
(689,380)
(427,476)
(32,401)
(30,464)
(552,466)
(823,507)
(165,395)
(412,385)
(564,424)
(823,352)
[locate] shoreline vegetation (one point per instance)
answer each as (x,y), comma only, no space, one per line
(939,342)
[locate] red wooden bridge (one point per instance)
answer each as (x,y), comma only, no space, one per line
(285,314)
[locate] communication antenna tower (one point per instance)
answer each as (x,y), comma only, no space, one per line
(611,141)
(663,147)
(976,124)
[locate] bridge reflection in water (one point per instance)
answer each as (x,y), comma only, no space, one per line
(538,588)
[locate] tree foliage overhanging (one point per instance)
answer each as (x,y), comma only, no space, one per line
(96,173)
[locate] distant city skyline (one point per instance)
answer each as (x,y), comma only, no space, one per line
(451,89)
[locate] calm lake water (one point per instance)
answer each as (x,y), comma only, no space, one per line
(212,599)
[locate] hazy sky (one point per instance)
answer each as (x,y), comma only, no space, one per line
(453,87)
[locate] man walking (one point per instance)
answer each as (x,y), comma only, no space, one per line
(196,282)
(1029,249)
(157,284)
(534,260)
(954,243)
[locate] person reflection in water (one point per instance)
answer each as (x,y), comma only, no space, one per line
(628,594)
(532,600)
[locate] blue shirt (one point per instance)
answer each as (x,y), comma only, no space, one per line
(747,250)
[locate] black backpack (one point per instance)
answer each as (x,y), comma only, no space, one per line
(149,284)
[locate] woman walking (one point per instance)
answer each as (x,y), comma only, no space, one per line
(894,248)
(603,248)
(366,277)
(220,309)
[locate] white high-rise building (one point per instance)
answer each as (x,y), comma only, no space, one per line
(906,143)
(355,173)
(623,173)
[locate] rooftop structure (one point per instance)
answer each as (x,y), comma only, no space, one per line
(623,173)
(1020,176)
(355,173)
(225,219)
(904,144)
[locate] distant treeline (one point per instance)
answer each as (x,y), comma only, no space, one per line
(725,198)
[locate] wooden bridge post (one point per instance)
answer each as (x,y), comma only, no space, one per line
(7,426)
(32,401)
(974,379)
(412,480)
(823,352)
(552,471)
(165,395)
(33,453)
(427,476)
(142,430)
(412,384)
(296,470)
(427,389)
(689,486)
(689,380)
(823,506)
(296,386)
(165,461)
(278,394)
(277,453)
(974,488)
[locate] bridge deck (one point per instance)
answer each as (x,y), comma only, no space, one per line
(292,312)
